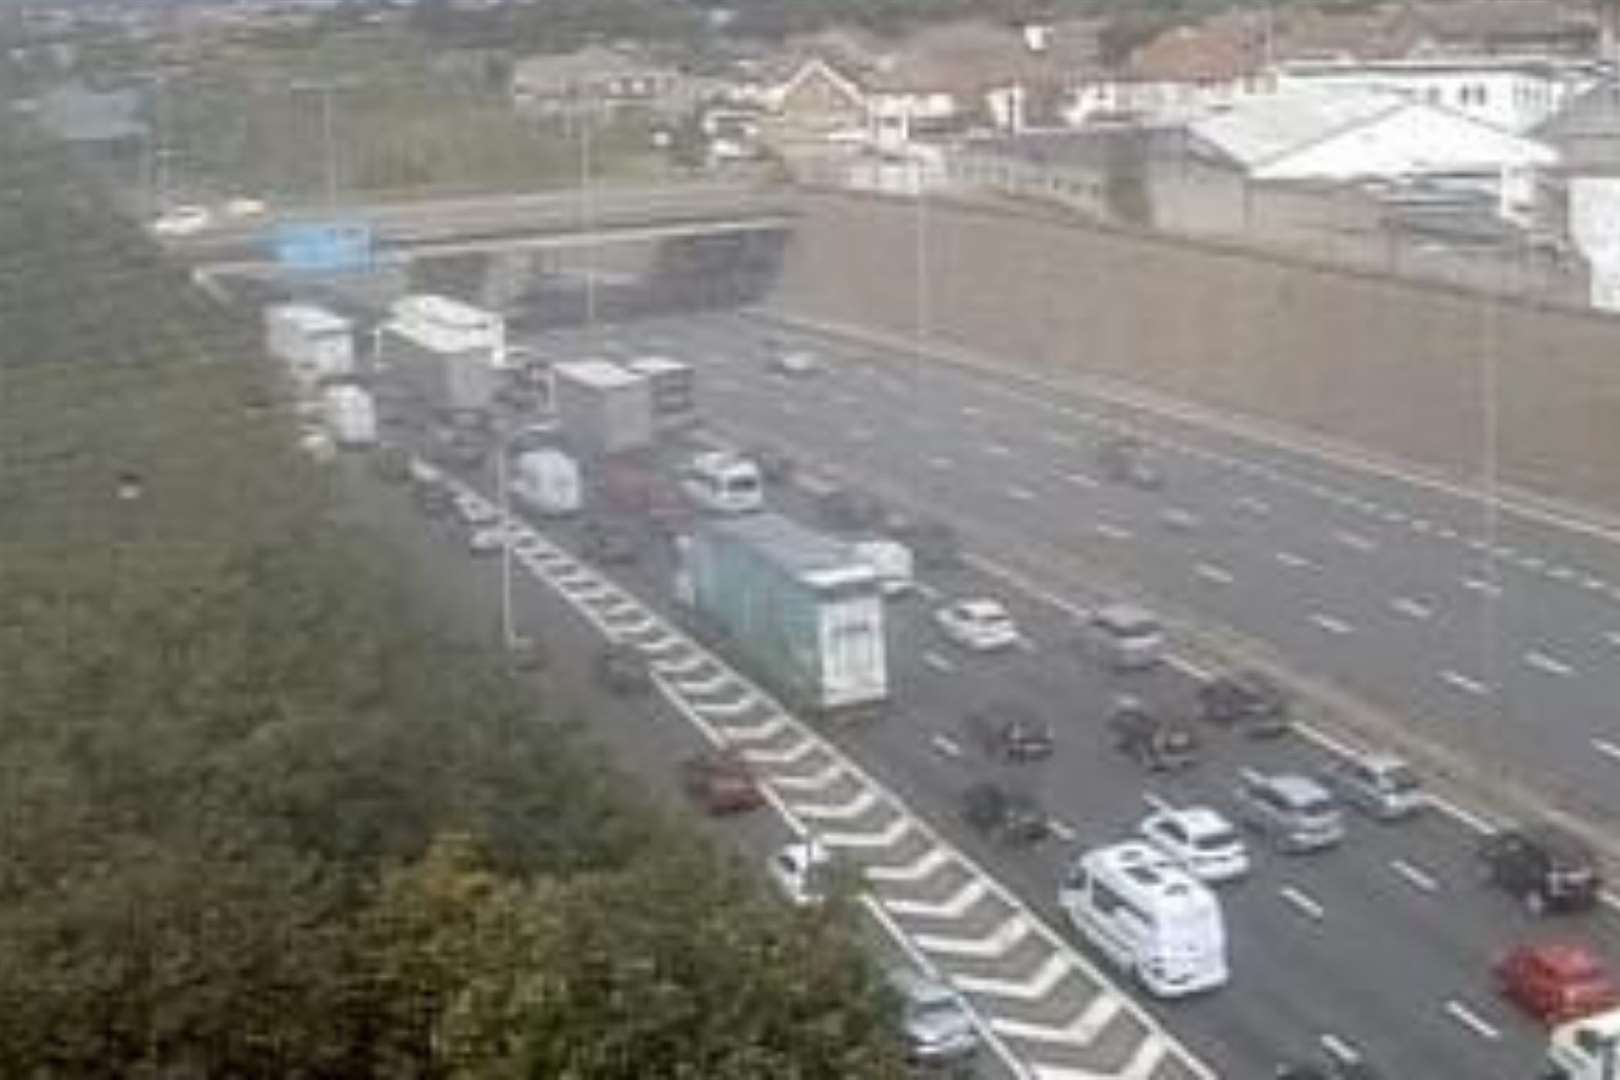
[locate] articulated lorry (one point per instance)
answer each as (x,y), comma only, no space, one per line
(800,610)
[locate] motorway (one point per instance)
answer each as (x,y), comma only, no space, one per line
(1499,639)
(1381,946)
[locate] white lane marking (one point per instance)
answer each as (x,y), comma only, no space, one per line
(1036,986)
(1394,517)
(1022,494)
(1418,879)
(923,866)
(952,907)
(680,667)
(1059,438)
(861,434)
(1532,562)
(1411,608)
(998,449)
(1470,1019)
(1080,480)
(938,662)
(1330,624)
(993,945)
(1216,574)
(940,462)
(1476,543)
(1112,532)
(1177,518)
(1504,552)
(972,410)
(802,749)
(888,836)
(849,810)
(1549,664)
(1446,532)
(1606,748)
(1354,540)
(1062,830)
(1087,1024)
(1560,573)
(1338,1048)
(1252,505)
(1593,584)
(725,709)
(1307,906)
(1463,682)
(946,745)
(1479,585)
(1458,813)
(1294,561)
(704,687)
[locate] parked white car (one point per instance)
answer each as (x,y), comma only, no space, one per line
(978,624)
(1200,840)
(800,871)
(486,540)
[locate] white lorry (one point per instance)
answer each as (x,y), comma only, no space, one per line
(315,344)
(351,416)
(547,481)
(1586,1049)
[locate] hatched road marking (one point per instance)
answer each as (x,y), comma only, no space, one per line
(1464,683)
(1419,879)
(998,942)
(952,907)
(1087,1024)
(923,866)
(1549,664)
(1039,983)
(1471,1020)
(1302,903)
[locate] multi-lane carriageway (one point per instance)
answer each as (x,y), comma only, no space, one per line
(1044,1008)
(1381,946)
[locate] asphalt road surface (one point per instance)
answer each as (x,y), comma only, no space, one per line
(1381,946)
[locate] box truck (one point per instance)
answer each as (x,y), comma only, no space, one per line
(547,482)
(802,612)
(672,387)
(351,418)
(1585,1049)
(449,355)
(315,344)
(602,407)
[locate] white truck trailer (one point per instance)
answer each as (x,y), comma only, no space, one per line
(450,355)
(315,344)
(351,416)
(672,387)
(803,612)
(603,408)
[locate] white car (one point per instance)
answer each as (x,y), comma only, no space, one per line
(486,540)
(1200,840)
(795,362)
(800,871)
(475,511)
(182,221)
(244,206)
(980,624)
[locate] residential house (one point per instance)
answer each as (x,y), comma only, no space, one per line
(599,80)
(1188,71)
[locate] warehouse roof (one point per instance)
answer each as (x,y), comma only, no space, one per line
(1259,131)
(817,560)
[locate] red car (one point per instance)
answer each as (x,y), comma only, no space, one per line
(721,783)
(1556,982)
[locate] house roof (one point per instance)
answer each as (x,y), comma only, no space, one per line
(1393,134)
(1226,46)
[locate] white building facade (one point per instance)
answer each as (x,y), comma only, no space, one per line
(1514,95)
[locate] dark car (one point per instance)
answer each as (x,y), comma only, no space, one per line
(1546,869)
(721,783)
(1248,701)
(623,670)
(1125,459)
(1010,731)
(607,543)
(933,543)
(1007,816)
(1153,741)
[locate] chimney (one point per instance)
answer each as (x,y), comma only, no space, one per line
(1037,36)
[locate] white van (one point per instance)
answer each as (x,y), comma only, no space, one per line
(547,481)
(1580,1049)
(351,416)
(893,563)
(1148,916)
(724,483)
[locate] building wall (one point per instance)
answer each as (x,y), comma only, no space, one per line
(1393,366)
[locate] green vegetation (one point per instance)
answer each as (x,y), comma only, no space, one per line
(266,818)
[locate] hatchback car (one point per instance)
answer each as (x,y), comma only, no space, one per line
(1010,817)
(1247,701)
(1010,731)
(981,625)
(934,1020)
(623,670)
(486,540)
(1555,982)
(1380,786)
(801,872)
(1153,741)
(1203,842)
(1546,869)
(721,783)
(1291,811)
(1125,637)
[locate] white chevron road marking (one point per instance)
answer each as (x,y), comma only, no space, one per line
(952,907)
(1149,1053)
(923,866)
(862,802)
(819,780)
(870,841)
(801,749)
(999,942)
(1083,1030)
(763,731)
(1031,988)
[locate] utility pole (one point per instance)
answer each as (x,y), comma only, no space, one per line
(508,634)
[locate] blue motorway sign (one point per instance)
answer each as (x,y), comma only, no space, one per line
(323,246)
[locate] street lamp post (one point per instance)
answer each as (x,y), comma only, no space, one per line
(508,633)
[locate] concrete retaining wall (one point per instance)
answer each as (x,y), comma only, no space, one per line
(1400,368)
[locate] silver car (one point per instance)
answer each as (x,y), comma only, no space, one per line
(1293,812)
(1379,785)
(1123,636)
(934,1019)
